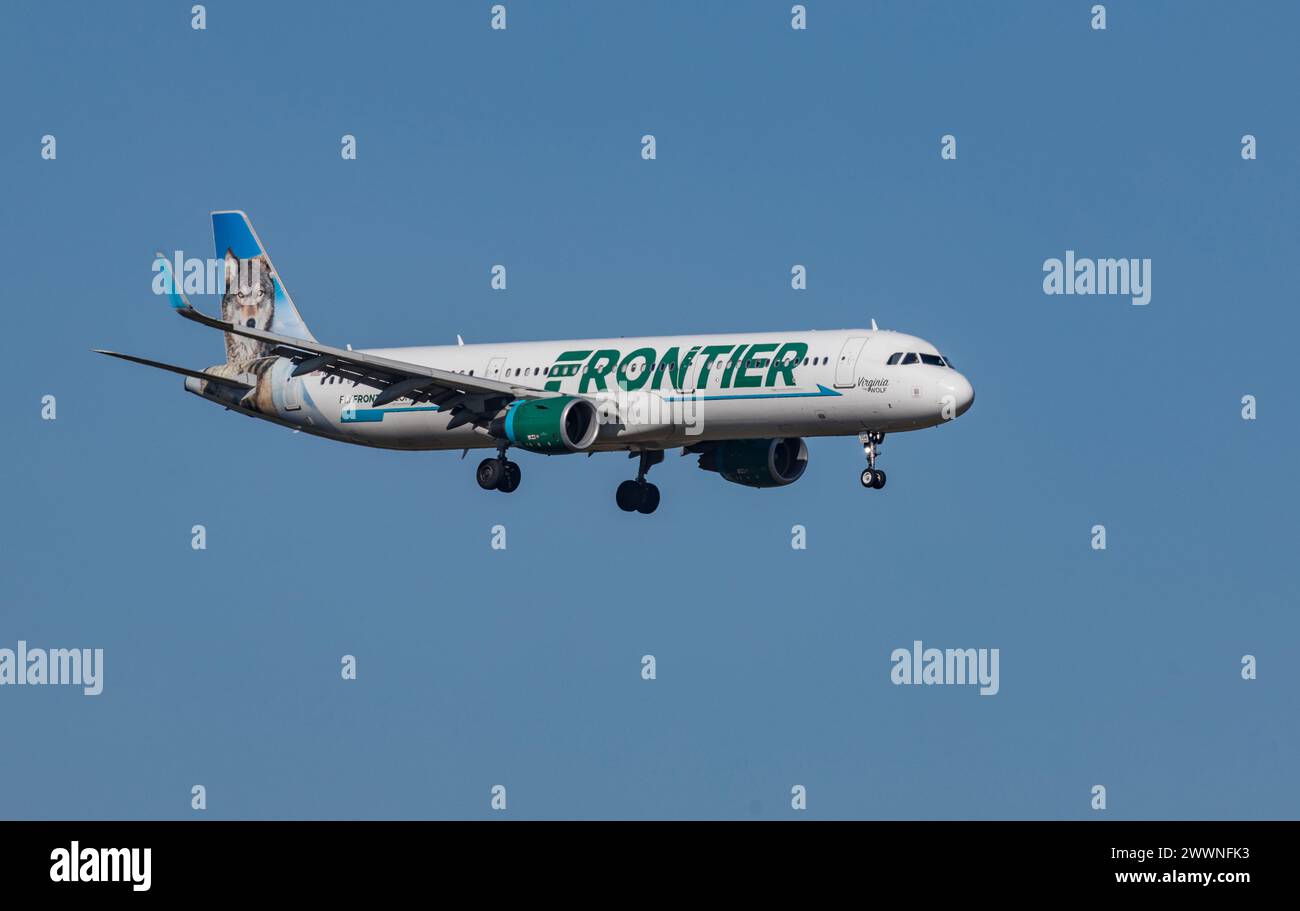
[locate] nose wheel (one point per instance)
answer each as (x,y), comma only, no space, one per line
(640,495)
(873,478)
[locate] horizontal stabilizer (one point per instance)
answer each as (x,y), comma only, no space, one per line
(183,371)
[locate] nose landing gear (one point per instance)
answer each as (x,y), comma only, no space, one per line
(873,478)
(640,495)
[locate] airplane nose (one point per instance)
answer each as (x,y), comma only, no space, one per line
(965,394)
(956,389)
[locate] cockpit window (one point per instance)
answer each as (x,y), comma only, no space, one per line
(933,360)
(947,360)
(910,358)
(894,358)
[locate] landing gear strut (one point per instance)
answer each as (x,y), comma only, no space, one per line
(499,473)
(873,477)
(640,495)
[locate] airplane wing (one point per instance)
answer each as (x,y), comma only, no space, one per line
(469,398)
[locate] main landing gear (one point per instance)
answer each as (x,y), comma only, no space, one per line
(640,495)
(498,474)
(873,477)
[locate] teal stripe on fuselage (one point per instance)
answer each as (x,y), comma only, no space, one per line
(821,392)
(373,415)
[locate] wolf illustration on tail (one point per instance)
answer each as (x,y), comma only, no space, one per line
(254,296)
(249,301)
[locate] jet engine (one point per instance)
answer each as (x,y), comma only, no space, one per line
(758,463)
(563,423)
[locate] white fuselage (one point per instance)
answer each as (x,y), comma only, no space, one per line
(660,392)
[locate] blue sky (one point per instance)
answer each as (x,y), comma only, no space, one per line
(480,667)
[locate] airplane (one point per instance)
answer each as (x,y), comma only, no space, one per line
(743,402)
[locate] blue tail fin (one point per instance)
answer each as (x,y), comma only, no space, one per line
(254,295)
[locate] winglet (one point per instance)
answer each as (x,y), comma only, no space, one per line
(873,326)
(174,294)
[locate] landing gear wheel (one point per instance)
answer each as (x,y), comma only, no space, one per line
(649,499)
(490,473)
(640,495)
(628,496)
(872,478)
(510,478)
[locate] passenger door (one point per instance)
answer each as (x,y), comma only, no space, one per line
(846,366)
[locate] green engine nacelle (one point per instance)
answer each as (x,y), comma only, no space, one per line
(758,463)
(564,423)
